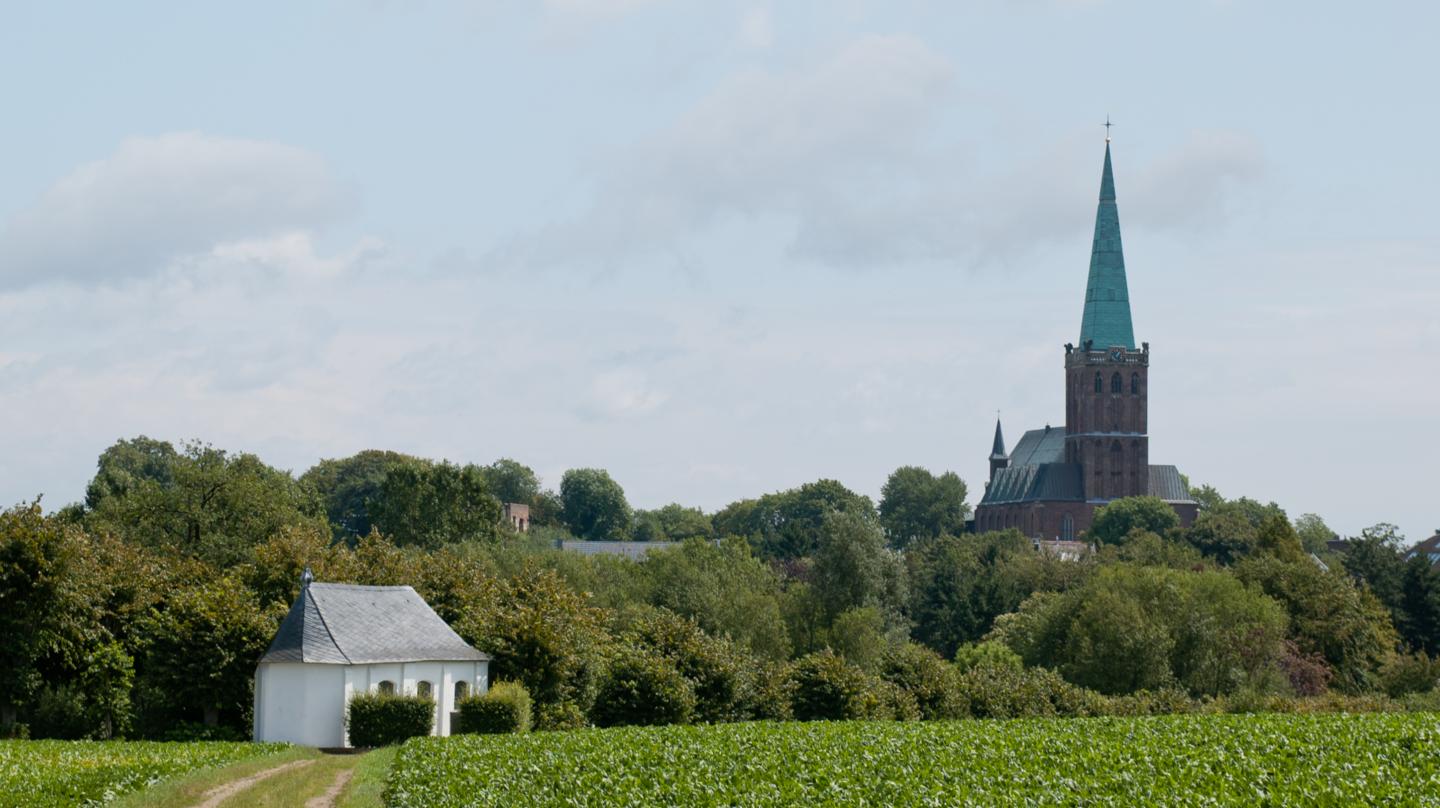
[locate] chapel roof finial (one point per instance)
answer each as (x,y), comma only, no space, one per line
(306,577)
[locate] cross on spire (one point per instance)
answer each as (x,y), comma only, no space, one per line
(1107,128)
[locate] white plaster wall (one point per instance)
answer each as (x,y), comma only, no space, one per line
(305,703)
(300,704)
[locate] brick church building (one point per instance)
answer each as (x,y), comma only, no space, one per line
(1049,486)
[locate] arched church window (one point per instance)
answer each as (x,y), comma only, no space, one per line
(386,688)
(1115,448)
(1117,385)
(424,689)
(1067,528)
(1099,383)
(462,689)
(1134,384)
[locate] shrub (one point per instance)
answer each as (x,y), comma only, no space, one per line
(1003,691)
(1410,673)
(1167,701)
(560,715)
(718,670)
(769,698)
(990,652)
(642,687)
(825,687)
(930,681)
(503,708)
(376,719)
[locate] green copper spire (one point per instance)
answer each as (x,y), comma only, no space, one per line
(1107,300)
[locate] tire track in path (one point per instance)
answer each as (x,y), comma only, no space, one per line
(219,794)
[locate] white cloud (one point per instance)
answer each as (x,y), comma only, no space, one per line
(159,198)
(757,27)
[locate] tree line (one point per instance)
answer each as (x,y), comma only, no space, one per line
(142,610)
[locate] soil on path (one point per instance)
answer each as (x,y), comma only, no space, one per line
(327,800)
(219,794)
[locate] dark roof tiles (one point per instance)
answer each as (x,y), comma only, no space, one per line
(356,625)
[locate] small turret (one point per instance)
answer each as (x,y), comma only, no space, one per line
(998,458)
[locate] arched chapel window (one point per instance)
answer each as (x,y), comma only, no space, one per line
(1067,528)
(424,690)
(386,688)
(1116,384)
(1099,383)
(1134,384)
(462,689)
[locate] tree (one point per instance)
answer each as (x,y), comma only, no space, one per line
(674,522)
(33,558)
(725,589)
(853,568)
(1420,605)
(128,462)
(960,584)
(201,648)
(214,506)
(642,687)
(347,485)
(433,505)
(1314,534)
(1225,536)
(1329,615)
(511,481)
(719,672)
(915,503)
(1113,522)
(791,524)
(1374,558)
(1131,628)
(594,505)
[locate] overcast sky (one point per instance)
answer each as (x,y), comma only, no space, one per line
(720,248)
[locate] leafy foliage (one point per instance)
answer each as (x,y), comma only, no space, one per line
(380,719)
(435,504)
(1114,522)
(594,505)
(1286,760)
(346,487)
(643,687)
(916,504)
(505,707)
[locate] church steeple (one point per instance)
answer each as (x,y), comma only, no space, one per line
(1106,322)
(998,458)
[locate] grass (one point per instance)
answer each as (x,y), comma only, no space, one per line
(188,791)
(368,783)
(42,774)
(1334,759)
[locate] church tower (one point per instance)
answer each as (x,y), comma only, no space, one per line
(1106,376)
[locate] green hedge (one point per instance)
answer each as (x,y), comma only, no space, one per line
(642,687)
(376,719)
(505,708)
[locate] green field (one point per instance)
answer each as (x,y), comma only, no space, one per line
(41,774)
(1335,759)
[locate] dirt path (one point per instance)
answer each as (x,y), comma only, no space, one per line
(327,800)
(219,794)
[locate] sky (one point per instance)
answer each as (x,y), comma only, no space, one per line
(720,248)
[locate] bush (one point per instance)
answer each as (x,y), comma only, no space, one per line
(719,671)
(1003,691)
(560,715)
(990,652)
(933,683)
(191,731)
(376,719)
(769,699)
(825,687)
(642,687)
(504,708)
(1168,701)
(1410,673)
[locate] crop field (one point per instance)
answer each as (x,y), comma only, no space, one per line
(1335,759)
(41,774)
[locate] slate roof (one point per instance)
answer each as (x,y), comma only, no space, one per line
(634,550)
(1430,548)
(1045,479)
(1106,319)
(343,624)
(1039,446)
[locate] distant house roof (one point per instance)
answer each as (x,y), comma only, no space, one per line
(343,624)
(630,549)
(1429,547)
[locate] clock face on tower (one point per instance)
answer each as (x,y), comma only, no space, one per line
(1116,355)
